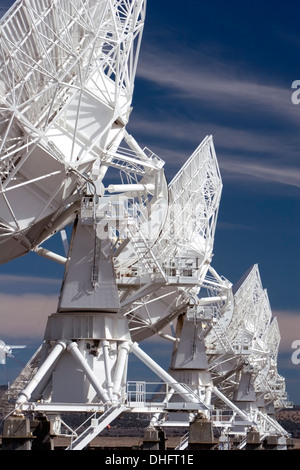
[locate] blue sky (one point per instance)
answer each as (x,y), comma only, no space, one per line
(226,69)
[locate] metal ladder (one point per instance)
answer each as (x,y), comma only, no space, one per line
(147,254)
(184,441)
(222,338)
(96,426)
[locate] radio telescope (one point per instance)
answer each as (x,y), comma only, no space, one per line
(139,259)
(6,350)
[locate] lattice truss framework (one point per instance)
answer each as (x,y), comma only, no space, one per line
(67,70)
(249,342)
(194,197)
(67,75)
(48,49)
(182,253)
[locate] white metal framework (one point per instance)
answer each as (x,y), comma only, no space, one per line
(140,254)
(67,74)
(6,351)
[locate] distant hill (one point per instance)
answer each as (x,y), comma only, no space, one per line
(290,420)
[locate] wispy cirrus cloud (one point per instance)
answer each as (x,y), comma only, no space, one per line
(196,76)
(243,170)
(268,159)
(252,121)
(226,138)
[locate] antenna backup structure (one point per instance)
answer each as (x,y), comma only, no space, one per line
(139,258)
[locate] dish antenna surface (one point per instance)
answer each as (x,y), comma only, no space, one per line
(140,254)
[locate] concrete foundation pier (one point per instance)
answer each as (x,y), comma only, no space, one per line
(253,441)
(16,434)
(201,435)
(21,433)
(154,439)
